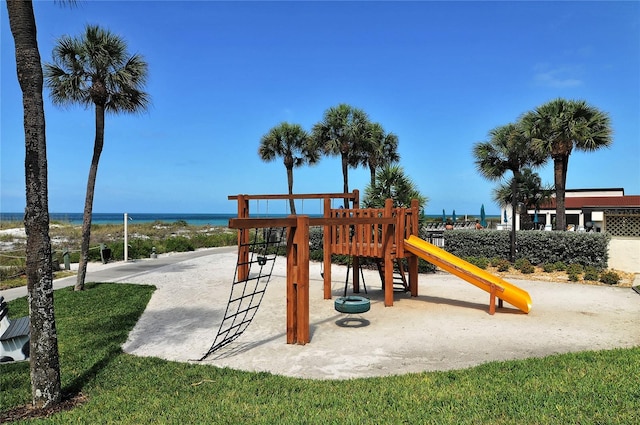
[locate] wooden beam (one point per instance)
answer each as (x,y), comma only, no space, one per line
(354,196)
(255,223)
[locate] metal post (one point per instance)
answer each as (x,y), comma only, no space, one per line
(126,244)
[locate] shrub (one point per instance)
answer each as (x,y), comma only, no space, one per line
(591,273)
(575,268)
(559,266)
(574,271)
(548,267)
(609,277)
(480,262)
(138,248)
(178,244)
(495,261)
(316,255)
(504,266)
(207,240)
(526,267)
(519,263)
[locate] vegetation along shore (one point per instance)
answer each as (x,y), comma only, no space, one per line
(159,237)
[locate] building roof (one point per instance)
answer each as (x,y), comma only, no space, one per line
(578,202)
(619,190)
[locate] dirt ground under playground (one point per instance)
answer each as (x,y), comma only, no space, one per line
(446,327)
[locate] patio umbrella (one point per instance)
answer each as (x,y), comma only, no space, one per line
(453,216)
(444,216)
(483,220)
(505,216)
(535,217)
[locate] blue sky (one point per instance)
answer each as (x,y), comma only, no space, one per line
(439,75)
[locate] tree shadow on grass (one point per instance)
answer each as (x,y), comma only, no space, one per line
(92,326)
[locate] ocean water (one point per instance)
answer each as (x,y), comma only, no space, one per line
(116,218)
(216,219)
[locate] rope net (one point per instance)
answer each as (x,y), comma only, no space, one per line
(246,295)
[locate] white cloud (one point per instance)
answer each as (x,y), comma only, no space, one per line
(558,77)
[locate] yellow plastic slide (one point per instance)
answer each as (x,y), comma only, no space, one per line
(482,279)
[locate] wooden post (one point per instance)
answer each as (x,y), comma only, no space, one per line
(243,240)
(298,281)
(492,300)
(387,245)
(413,259)
(326,249)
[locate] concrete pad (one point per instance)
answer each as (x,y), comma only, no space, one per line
(446,327)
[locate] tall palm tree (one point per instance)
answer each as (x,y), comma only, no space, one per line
(380,149)
(343,131)
(43,346)
(558,127)
(293,144)
(96,70)
(508,149)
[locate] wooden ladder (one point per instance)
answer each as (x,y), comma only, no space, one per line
(400,283)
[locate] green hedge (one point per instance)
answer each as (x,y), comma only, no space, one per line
(315,238)
(587,249)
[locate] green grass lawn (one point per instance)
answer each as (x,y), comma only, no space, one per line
(585,388)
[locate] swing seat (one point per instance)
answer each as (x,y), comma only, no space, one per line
(353,304)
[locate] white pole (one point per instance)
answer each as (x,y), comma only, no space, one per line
(126,245)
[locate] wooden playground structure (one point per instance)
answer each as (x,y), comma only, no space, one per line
(376,233)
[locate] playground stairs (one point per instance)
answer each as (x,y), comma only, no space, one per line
(400,283)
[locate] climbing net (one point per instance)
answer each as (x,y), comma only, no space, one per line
(247,294)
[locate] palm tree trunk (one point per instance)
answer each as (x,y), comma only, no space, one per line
(43,346)
(345,178)
(88,203)
(292,204)
(372,171)
(514,207)
(560,176)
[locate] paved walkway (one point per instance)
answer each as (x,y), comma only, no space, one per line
(121,271)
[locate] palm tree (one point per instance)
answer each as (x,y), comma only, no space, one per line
(43,346)
(380,149)
(392,182)
(343,131)
(507,150)
(559,126)
(531,193)
(293,144)
(95,69)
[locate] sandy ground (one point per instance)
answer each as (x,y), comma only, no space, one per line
(446,327)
